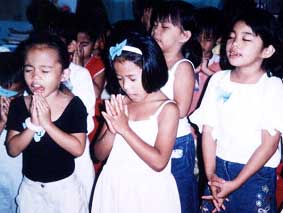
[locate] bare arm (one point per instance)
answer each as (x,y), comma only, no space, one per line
(258,159)
(157,156)
(72,143)
(98,82)
(17,142)
(104,143)
(183,87)
(208,151)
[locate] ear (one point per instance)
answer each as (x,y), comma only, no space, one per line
(185,36)
(268,51)
(65,74)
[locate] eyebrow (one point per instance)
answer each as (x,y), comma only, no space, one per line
(41,66)
(245,33)
(130,75)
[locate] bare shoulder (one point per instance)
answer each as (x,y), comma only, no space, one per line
(170,109)
(185,67)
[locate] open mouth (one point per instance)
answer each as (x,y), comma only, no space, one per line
(37,88)
(234,54)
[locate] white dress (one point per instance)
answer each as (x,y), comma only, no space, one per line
(127,184)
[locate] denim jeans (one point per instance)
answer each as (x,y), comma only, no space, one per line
(183,162)
(257,194)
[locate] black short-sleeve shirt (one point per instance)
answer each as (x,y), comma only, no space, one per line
(45,160)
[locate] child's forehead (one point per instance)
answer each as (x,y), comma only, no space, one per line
(207,35)
(83,36)
(43,50)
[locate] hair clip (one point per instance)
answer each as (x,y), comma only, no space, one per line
(117,50)
(7,93)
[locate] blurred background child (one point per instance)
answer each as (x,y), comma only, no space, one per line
(11,85)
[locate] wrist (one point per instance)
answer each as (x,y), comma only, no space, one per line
(210,176)
(32,126)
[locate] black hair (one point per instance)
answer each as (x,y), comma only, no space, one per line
(10,70)
(152,63)
(44,39)
(65,26)
(123,28)
(41,14)
(89,30)
(139,6)
(209,22)
(181,14)
(265,25)
(118,32)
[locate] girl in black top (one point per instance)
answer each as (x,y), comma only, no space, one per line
(49,128)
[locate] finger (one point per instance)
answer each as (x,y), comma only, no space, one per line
(109,108)
(108,121)
(215,178)
(116,105)
(113,104)
(216,205)
(207,197)
(126,110)
(120,102)
(215,184)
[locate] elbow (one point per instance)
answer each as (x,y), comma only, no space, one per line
(159,167)
(183,112)
(12,152)
(79,151)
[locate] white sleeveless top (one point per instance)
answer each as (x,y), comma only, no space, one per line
(127,184)
(168,90)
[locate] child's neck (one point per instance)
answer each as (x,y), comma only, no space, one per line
(207,55)
(53,97)
(245,76)
(86,60)
(171,58)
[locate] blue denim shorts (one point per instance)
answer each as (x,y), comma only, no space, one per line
(257,194)
(183,162)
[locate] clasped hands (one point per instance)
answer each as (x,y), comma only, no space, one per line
(40,111)
(116,114)
(220,189)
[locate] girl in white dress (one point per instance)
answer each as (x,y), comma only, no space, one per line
(139,134)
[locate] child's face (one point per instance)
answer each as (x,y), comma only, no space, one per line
(207,44)
(42,71)
(130,79)
(167,35)
(244,48)
(85,43)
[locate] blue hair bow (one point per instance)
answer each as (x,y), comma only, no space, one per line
(117,50)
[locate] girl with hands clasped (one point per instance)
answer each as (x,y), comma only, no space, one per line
(49,128)
(241,119)
(139,133)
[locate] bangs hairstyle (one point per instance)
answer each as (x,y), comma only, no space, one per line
(181,14)
(152,63)
(175,12)
(46,40)
(265,25)
(208,22)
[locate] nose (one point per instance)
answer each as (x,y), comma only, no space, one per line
(155,30)
(235,42)
(36,74)
(125,85)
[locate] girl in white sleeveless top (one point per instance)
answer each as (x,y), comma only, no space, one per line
(174,32)
(139,134)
